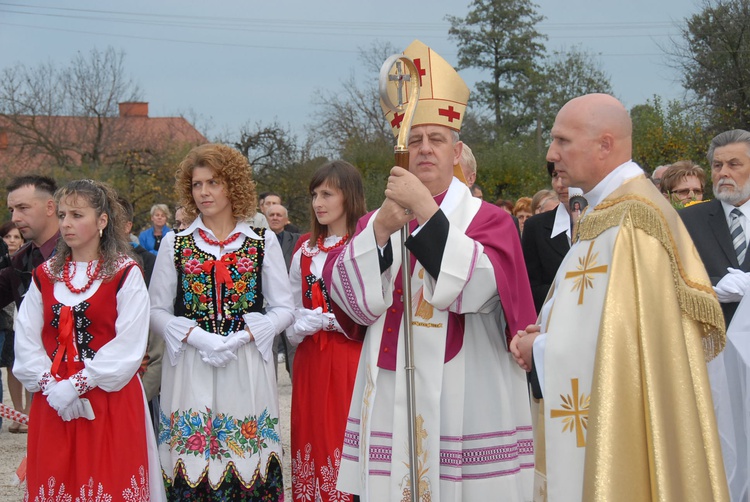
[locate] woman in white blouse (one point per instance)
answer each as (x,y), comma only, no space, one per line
(219,296)
(80,338)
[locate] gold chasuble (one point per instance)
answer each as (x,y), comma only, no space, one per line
(631,321)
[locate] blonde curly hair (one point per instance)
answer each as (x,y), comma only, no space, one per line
(230,167)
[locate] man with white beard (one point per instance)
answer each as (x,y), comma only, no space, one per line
(720,227)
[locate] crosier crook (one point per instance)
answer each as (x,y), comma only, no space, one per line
(388,78)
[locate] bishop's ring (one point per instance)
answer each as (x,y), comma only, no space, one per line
(407,211)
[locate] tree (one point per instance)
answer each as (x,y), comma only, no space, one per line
(65,122)
(89,87)
(714,58)
(565,75)
(665,134)
(499,36)
(352,125)
(352,114)
(280,165)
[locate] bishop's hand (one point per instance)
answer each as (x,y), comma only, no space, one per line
(406,190)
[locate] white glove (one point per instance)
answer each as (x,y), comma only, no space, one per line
(75,410)
(218,359)
(232,342)
(205,341)
(237,339)
(62,395)
(50,385)
(309,322)
(732,287)
(211,347)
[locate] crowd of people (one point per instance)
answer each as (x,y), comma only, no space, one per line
(561,342)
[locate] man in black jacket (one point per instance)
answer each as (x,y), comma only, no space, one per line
(709,223)
(546,241)
(33,210)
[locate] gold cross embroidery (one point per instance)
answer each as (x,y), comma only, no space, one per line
(575,413)
(424,309)
(583,277)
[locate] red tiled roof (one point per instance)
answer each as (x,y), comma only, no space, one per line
(73,139)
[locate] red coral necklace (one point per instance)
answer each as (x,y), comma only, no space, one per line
(325,249)
(66,274)
(213,242)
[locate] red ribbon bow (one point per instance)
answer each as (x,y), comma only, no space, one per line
(220,268)
(66,343)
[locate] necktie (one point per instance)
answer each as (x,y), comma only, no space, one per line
(738,235)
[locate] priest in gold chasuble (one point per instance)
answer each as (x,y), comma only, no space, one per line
(620,351)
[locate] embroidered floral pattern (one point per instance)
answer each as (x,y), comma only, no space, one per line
(92,492)
(307,486)
(424,488)
(81,383)
(139,490)
(201,433)
(83,337)
(303,476)
(312,291)
(330,474)
(198,282)
(45,380)
(53,493)
(86,493)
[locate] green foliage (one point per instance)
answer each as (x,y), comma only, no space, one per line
(292,182)
(374,160)
(510,170)
(145,178)
(499,36)
(665,134)
(714,57)
(564,76)
(526,87)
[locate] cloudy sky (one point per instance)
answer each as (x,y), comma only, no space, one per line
(241,61)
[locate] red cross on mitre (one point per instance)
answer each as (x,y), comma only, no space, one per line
(397,119)
(450,113)
(418,64)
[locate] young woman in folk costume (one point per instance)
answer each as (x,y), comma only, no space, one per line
(325,363)
(80,338)
(219,418)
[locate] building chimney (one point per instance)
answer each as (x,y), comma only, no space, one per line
(133,109)
(3,140)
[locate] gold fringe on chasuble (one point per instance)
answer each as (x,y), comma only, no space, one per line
(696,296)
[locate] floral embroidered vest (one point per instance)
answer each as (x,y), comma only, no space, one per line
(216,292)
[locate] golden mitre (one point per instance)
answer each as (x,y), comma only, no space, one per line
(442,94)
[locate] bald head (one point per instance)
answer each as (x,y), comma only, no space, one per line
(603,114)
(591,137)
(657,174)
(277,217)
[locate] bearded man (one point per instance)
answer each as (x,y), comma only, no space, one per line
(719,228)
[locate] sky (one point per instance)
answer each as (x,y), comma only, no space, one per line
(227,63)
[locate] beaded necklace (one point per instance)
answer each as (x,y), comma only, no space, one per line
(209,240)
(310,252)
(327,249)
(66,274)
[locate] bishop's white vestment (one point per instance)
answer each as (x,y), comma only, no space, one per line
(474,424)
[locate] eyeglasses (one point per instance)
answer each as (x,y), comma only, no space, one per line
(685,192)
